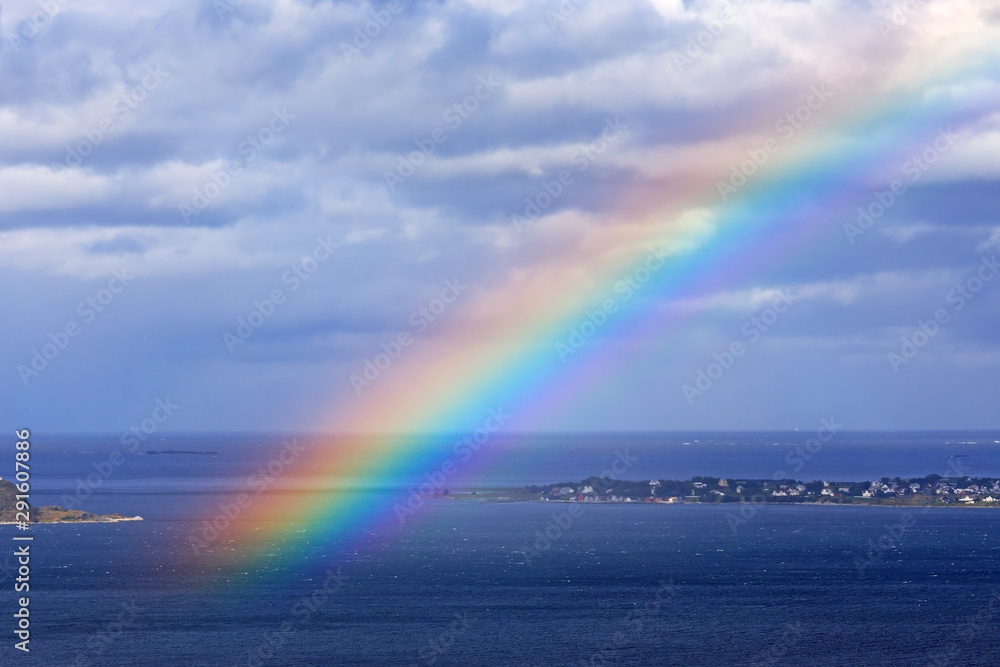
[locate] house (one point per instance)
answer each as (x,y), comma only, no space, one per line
(967,499)
(724,482)
(867,493)
(989,499)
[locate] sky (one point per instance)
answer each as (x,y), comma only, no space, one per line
(218,214)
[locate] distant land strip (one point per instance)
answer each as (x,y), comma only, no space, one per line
(922,491)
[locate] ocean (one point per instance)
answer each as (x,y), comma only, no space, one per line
(522,583)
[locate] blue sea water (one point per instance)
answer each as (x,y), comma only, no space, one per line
(465,584)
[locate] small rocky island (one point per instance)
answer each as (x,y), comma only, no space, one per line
(50,513)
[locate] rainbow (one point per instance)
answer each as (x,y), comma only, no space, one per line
(518,356)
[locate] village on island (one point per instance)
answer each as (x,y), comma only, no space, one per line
(929,490)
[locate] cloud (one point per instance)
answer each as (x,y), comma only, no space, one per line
(992,242)
(34,188)
(875,288)
(116,116)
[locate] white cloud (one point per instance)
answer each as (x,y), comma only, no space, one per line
(36,188)
(176,251)
(878,288)
(992,242)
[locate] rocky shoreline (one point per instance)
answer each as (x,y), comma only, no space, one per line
(49,514)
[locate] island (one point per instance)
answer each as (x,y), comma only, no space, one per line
(931,490)
(49,513)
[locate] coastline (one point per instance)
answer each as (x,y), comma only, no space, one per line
(484,497)
(736,504)
(71,521)
(929,491)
